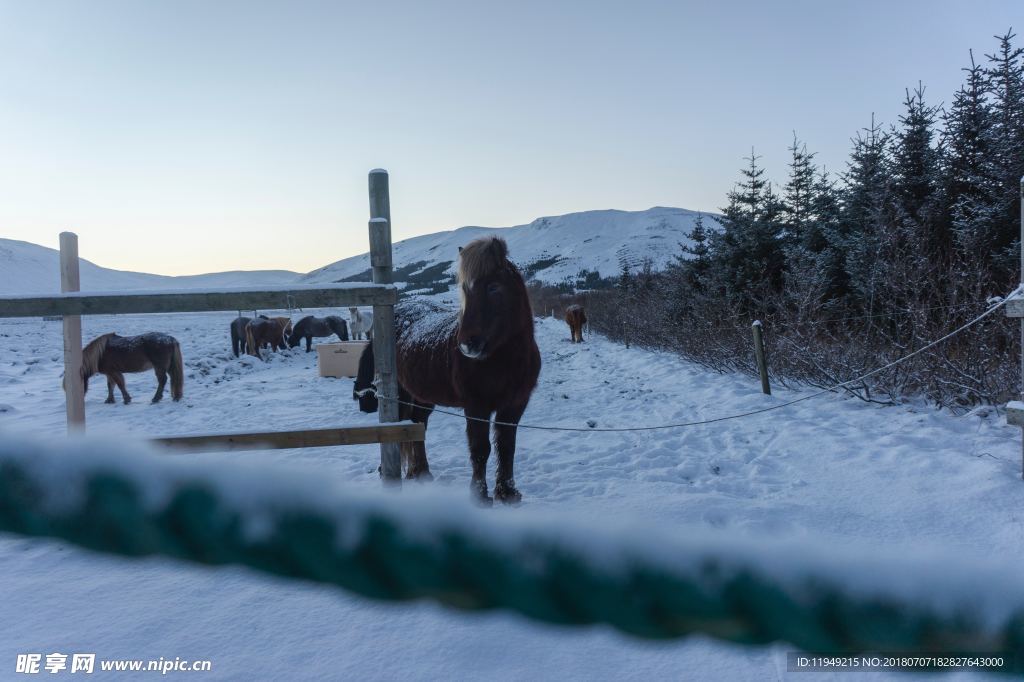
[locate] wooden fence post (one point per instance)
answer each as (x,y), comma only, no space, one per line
(74,393)
(762,365)
(1022,319)
(384,352)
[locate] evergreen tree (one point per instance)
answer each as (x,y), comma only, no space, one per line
(695,268)
(970,187)
(917,178)
(747,254)
(798,197)
(833,241)
(1005,76)
(864,202)
(624,276)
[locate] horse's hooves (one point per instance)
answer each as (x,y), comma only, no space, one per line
(127,401)
(109,401)
(506,493)
(155,400)
(478,491)
(422,476)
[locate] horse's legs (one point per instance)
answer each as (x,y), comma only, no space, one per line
(478,434)
(505,443)
(110,390)
(161,381)
(417,451)
(119,379)
(309,343)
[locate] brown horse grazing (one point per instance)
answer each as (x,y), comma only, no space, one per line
(238,341)
(111,355)
(576,317)
(483,359)
(260,332)
(286,326)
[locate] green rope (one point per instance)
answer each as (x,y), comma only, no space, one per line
(405,547)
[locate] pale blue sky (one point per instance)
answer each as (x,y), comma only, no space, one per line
(186,137)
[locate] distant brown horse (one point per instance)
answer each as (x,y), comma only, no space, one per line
(112,355)
(261,332)
(576,317)
(482,358)
(286,325)
(238,341)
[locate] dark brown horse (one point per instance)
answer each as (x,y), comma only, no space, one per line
(112,355)
(310,326)
(261,332)
(483,359)
(238,342)
(576,318)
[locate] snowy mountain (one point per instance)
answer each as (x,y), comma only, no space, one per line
(29,268)
(552,250)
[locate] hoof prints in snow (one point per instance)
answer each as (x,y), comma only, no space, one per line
(827,466)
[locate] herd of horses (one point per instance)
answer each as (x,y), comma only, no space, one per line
(482,358)
(250,336)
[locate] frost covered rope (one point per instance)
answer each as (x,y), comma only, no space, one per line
(815,596)
(991,309)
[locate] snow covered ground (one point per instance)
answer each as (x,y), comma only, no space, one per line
(830,468)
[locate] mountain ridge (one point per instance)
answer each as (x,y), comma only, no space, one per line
(573,248)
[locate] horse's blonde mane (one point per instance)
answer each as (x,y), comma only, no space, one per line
(93,353)
(480,258)
(285,322)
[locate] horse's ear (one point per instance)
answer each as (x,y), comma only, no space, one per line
(460,249)
(500,248)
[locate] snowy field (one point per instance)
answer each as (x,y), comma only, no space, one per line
(830,468)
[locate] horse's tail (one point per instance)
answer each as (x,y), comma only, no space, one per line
(177,371)
(362,390)
(251,342)
(235,341)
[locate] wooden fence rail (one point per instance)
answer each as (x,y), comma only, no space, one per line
(381,294)
(195,301)
(399,432)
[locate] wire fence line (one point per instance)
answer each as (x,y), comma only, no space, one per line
(830,389)
(772,324)
(769,323)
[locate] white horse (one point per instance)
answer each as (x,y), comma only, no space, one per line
(360,323)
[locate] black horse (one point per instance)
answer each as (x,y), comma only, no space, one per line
(310,326)
(238,325)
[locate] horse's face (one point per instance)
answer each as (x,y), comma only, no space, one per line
(489,311)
